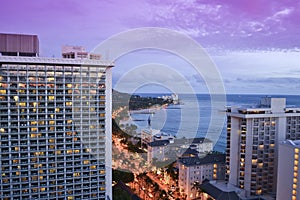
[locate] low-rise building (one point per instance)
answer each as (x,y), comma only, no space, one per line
(157,150)
(163,147)
(194,170)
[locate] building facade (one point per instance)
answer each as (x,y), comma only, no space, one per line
(253,135)
(55,132)
(288,184)
(194,170)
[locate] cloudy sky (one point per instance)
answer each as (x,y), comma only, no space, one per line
(255,44)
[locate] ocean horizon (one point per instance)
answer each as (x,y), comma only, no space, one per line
(170,119)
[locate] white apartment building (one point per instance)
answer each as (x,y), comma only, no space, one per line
(194,170)
(288,179)
(253,135)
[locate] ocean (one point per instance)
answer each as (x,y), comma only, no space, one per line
(193,117)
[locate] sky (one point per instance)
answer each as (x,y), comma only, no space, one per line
(255,45)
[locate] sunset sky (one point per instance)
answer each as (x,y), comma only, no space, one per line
(254,44)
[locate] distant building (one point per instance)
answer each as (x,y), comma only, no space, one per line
(288,180)
(253,135)
(78,52)
(194,170)
(164,147)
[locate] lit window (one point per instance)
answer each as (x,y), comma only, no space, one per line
(41,177)
(58,152)
(51,140)
(16,98)
(86,162)
(102,171)
(296,157)
(43,189)
(69,151)
(50,79)
(296,150)
(52,122)
(22,104)
(294,180)
(51,98)
(76,174)
(56,109)
(76,151)
(69,85)
(2,130)
(2,91)
(295,174)
(69,103)
(93,167)
(33,129)
(258,192)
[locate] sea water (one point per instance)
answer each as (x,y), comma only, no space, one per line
(193,117)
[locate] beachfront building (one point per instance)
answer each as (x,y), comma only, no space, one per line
(253,135)
(288,184)
(55,128)
(194,170)
(164,147)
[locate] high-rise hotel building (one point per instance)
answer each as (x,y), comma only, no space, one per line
(253,136)
(288,185)
(55,126)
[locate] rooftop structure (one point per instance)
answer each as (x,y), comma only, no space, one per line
(19,45)
(78,52)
